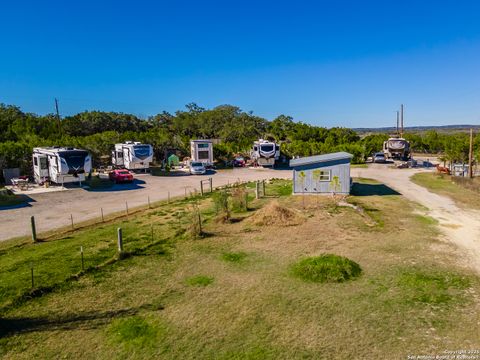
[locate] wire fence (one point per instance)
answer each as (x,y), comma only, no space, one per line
(53,260)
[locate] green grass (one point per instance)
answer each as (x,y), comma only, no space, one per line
(160,302)
(133,332)
(234,257)
(199,280)
(434,288)
(446,186)
(326,268)
(359,166)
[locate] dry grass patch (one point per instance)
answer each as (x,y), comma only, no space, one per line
(275,214)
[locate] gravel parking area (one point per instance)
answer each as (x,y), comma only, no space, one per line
(52,210)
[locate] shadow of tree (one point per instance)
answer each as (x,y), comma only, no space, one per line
(359,189)
(84,320)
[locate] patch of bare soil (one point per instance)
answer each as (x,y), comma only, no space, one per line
(276,214)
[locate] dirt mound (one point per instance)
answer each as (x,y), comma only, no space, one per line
(276,214)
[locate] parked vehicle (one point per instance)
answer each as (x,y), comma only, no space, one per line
(60,164)
(132,155)
(265,153)
(197,168)
(120,176)
(239,162)
(379,157)
(202,151)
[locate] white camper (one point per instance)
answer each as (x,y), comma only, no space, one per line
(265,153)
(202,151)
(60,164)
(132,155)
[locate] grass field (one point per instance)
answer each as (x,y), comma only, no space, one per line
(463,191)
(235,293)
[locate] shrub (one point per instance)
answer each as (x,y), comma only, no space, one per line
(221,201)
(240,199)
(326,268)
(195,225)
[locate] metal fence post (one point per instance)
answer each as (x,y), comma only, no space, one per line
(81,254)
(201,187)
(211,184)
(101,210)
(34,230)
(263,187)
(126,206)
(71,219)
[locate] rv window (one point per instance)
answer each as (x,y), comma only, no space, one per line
(203,155)
(119,154)
(35,162)
(43,163)
(255,148)
(202,146)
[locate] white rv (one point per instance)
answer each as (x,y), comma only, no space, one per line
(202,151)
(132,155)
(60,164)
(265,153)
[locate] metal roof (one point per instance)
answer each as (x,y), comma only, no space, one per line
(320,158)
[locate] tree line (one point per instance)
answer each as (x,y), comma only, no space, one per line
(98,131)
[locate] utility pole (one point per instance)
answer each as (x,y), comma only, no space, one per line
(58,115)
(398,116)
(401,120)
(470,156)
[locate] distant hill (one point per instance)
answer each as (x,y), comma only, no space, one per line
(419,129)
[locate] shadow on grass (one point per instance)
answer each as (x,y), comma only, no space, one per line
(361,189)
(75,321)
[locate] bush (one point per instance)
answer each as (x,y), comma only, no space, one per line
(221,201)
(195,226)
(326,268)
(240,199)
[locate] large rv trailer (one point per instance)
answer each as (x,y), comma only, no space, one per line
(60,164)
(396,148)
(265,153)
(202,151)
(132,155)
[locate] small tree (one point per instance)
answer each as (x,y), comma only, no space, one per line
(195,227)
(222,208)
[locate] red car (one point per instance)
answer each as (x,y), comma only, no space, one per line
(119,176)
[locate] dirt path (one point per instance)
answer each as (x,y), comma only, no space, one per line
(461,227)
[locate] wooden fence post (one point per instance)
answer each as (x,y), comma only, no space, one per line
(263,187)
(257,190)
(211,184)
(101,210)
(34,229)
(126,206)
(201,187)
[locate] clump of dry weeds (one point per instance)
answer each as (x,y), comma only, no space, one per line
(276,214)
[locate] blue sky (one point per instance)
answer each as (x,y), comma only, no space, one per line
(330,63)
